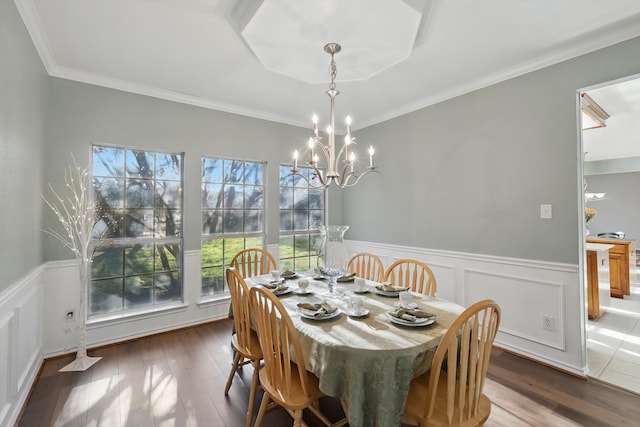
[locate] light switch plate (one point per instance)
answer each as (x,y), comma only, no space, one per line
(545,212)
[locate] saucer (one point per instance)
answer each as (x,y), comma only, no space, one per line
(303,291)
(361,291)
(363,313)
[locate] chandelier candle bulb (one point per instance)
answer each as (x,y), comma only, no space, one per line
(347,141)
(371,151)
(315,125)
(295,160)
(311,156)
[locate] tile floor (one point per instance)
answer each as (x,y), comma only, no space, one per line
(613,342)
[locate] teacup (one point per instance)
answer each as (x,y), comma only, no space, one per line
(275,274)
(356,304)
(405,298)
(359,284)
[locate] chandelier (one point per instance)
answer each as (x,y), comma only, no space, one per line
(345,158)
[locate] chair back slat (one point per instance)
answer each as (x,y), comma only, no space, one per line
(253,262)
(466,348)
(281,348)
(366,265)
(240,306)
(415,274)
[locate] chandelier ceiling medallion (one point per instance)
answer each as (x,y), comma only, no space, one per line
(323,175)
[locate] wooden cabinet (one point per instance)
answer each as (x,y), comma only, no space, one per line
(621,258)
(598,291)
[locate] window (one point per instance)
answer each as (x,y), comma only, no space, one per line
(232,215)
(138,198)
(301,212)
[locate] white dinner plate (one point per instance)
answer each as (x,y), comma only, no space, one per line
(282,292)
(386,293)
(290,276)
(419,322)
(364,312)
(308,314)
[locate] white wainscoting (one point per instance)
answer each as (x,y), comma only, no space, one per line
(21,320)
(526,290)
(61,294)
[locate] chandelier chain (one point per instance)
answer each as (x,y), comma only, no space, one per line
(333,72)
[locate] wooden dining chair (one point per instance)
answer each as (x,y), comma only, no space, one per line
(244,341)
(253,262)
(450,393)
(366,265)
(415,274)
(285,382)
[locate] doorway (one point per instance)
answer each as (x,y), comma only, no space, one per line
(611,169)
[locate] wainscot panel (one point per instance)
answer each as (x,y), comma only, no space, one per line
(21,321)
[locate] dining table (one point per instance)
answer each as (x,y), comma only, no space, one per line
(367,361)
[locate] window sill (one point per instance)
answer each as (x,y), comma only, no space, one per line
(125,317)
(212,300)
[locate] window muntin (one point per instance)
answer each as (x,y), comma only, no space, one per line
(232,215)
(301,212)
(138,198)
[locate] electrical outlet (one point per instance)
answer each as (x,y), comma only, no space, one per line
(547,322)
(70,315)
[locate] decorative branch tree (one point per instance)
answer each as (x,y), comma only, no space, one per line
(76,213)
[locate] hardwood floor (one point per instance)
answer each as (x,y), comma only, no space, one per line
(177,379)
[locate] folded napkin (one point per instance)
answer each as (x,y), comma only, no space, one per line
(346,277)
(388,287)
(276,286)
(288,273)
(318,309)
(411,314)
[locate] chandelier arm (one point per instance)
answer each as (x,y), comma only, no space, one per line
(359,177)
(322,184)
(344,177)
(341,151)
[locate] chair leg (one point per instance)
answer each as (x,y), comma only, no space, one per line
(236,362)
(345,407)
(297,418)
(252,393)
(263,408)
(315,408)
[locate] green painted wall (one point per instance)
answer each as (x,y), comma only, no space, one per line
(469,174)
(23,92)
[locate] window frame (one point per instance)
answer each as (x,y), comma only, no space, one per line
(124,243)
(228,242)
(309,235)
